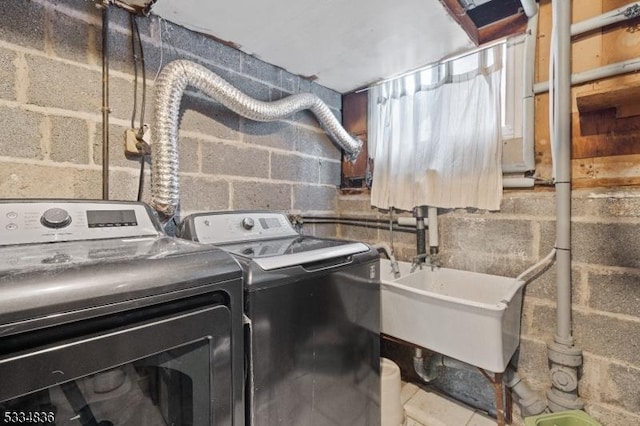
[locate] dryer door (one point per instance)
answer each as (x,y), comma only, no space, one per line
(172,369)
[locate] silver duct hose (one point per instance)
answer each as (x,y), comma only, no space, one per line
(170,86)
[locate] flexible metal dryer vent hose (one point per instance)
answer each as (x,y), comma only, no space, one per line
(170,86)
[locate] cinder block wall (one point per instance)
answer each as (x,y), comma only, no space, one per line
(606,282)
(50,116)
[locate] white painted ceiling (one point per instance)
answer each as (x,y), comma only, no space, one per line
(345,44)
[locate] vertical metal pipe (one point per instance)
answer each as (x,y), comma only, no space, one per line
(562,136)
(105,100)
(497,384)
(564,358)
(419,213)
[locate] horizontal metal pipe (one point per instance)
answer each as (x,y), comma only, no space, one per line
(398,221)
(611,70)
(351,218)
(630,11)
(362,225)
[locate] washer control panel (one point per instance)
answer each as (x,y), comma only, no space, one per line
(227,227)
(27,222)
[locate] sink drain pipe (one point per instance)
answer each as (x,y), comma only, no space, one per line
(530,403)
(170,86)
(430,371)
(419,212)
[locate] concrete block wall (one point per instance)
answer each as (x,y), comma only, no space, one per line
(50,116)
(606,282)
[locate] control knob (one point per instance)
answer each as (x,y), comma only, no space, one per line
(248,223)
(55,218)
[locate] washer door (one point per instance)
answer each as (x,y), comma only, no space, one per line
(174,369)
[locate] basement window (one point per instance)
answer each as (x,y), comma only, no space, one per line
(355,119)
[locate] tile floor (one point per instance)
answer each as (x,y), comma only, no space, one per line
(424,408)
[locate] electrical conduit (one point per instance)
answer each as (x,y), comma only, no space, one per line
(630,11)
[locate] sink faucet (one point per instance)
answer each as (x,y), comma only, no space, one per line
(432,261)
(415,261)
(395,268)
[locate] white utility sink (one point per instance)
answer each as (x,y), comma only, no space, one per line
(472,317)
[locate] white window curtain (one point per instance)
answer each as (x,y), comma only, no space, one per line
(435,136)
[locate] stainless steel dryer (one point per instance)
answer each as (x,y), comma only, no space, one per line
(104,320)
(314,311)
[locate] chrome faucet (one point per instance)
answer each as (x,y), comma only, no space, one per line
(431,260)
(395,268)
(416,261)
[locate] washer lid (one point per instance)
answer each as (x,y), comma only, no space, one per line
(30,258)
(267,238)
(285,252)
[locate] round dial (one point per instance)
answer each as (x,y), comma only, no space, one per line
(55,218)
(248,223)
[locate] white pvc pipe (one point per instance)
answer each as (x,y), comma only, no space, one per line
(528,105)
(432,215)
(522,182)
(631,10)
(407,221)
(548,258)
(610,70)
(531,404)
(530,7)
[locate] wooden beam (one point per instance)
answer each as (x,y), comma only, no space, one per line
(620,98)
(622,170)
(354,119)
(511,25)
(458,13)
